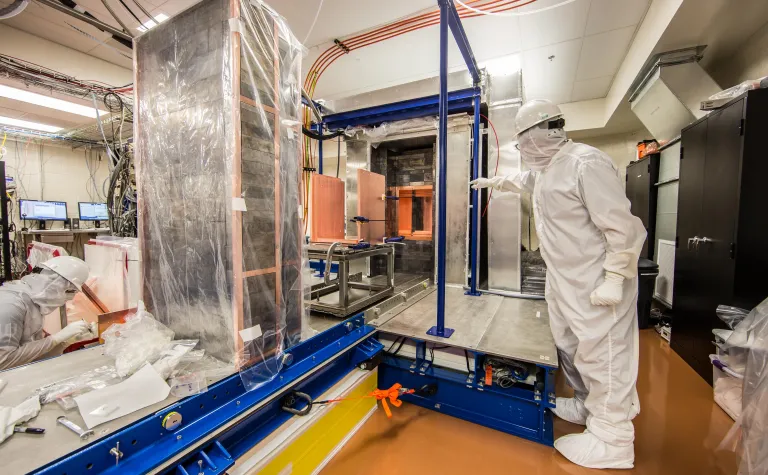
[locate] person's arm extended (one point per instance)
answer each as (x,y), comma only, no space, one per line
(516,183)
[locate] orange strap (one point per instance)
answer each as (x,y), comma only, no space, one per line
(393,394)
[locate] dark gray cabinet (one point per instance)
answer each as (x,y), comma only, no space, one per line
(722,223)
(642,177)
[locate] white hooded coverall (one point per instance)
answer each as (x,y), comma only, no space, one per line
(584,223)
(22,306)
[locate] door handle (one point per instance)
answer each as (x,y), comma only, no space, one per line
(693,243)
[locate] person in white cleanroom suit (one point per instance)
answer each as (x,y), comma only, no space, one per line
(590,242)
(24,302)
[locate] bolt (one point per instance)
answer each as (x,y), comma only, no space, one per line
(178,437)
(238,403)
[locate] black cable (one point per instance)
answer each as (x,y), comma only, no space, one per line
(402,342)
(432,352)
(130,11)
(317,136)
(466,355)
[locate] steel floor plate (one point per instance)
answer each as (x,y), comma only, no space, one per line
(503,326)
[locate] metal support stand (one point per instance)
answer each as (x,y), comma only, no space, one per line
(442,137)
(474,224)
(449,18)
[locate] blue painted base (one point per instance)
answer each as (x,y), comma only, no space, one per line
(473,294)
(446,333)
(520,410)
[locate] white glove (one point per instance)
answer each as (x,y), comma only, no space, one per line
(498,183)
(610,291)
(73,330)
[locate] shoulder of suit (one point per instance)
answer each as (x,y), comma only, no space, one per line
(587,154)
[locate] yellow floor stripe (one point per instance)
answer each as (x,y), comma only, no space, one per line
(309,450)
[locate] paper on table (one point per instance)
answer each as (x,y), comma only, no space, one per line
(143,389)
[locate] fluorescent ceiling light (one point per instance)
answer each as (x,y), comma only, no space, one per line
(502,66)
(160,17)
(25,124)
(48,101)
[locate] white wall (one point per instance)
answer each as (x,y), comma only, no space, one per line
(749,62)
(622,148)
(62,175)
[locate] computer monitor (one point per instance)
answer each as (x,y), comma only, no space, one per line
(93,212)
(43,211)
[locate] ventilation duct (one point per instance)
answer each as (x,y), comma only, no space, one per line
(667,94)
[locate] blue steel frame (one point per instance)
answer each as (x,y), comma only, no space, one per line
(146,445)
(458,101)
(518,411)
(449,18)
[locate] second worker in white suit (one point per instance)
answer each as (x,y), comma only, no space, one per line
(590,242)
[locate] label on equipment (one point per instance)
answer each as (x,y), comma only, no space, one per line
(250,334)
(238,204)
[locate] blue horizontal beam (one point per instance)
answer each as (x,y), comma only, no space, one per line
(460,36)
(146,445)
(458,101)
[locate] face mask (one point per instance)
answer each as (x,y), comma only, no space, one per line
(48,290)
(538,145)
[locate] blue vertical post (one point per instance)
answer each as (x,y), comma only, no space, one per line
(475,215)
(442,137)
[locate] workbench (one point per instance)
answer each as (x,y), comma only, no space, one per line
(22,453)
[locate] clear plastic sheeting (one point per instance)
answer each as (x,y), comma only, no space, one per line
(39,252)
(218,101)
(749,434)
(65,390)
(380,132)
(731,316)
(739,89)
(141,339)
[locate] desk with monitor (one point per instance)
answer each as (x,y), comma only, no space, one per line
(44,212)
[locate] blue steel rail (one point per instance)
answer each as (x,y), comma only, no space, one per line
(458,101)
(225,422)
(518,410)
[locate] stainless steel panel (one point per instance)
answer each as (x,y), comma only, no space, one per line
(468,316)
(457,202)
(504,210)
(506,88)
(358,156)
(520,330)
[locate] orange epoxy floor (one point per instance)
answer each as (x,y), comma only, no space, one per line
(677,432)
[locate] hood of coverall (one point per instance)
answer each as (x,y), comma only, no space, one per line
(539,144)
(48,290)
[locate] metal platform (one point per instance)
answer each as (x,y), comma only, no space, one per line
(512,328)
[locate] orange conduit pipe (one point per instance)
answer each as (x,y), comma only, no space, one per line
(383,31)
(401,27)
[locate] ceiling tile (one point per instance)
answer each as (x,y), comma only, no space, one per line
(339,18)
(603,53)
(605,15)
(591,89)
(551,68)
(559,94)
(112,56)
(553,26)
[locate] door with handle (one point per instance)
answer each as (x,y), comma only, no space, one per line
(688,276)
